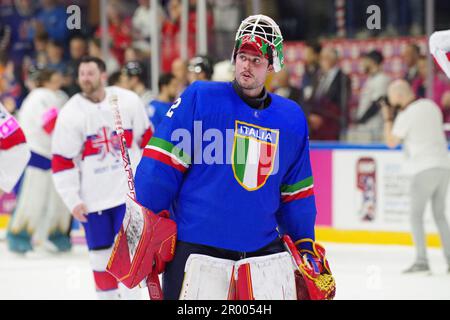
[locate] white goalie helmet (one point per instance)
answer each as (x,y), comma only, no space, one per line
(262,34)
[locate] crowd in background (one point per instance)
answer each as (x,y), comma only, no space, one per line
(34,37)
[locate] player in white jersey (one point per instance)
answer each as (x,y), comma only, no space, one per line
(40,214)
(87,165)
(439,44)
(14,152)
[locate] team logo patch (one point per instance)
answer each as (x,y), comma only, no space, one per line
(253,156)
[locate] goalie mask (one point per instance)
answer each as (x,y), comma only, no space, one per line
(260,34)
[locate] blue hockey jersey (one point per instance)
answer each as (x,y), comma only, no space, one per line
(231,174)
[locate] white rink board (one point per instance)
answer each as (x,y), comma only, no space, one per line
(391,192)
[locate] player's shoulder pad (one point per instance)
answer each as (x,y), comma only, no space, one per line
(290,112)
(209,89)
(72,110)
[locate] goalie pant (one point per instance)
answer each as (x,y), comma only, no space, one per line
(87,167)
(14,152)
(174,273)
(36,215)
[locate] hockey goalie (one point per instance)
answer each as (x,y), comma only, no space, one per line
(234,192)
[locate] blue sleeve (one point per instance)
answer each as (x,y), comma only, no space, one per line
(297,213)
(167,156)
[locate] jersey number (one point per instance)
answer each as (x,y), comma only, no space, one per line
(173,107)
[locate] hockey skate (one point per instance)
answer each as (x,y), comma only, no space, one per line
(19,242)
(61,241)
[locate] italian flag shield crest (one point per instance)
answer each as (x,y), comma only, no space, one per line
(254,154)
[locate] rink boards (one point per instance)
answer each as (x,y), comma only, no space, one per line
(361,195)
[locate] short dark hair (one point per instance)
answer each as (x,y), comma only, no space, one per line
(99,62)
(415,48)
(114,78)
(374,55)
(316,46)
(78,36)
(164,80)
(56,43)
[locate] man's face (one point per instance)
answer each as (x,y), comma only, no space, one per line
(328,59)
(251,70)
(409,55)
(77,48)
(310,55)
(179,70)
(90,77)
(366,64)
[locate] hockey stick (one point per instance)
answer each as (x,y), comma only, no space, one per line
(143,237)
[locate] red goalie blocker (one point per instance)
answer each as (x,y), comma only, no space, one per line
(145,243)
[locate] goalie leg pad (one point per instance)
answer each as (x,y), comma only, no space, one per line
(206,278)
(268,277)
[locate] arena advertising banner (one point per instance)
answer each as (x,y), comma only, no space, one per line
(371,191)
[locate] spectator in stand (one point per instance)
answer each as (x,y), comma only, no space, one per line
(440,83)
(369,120)
(158,107)
(10,89)
(55,57)
(53,17)
(119,30)
(180,72)
(19,29)
(312,67)
(134,78)
(112,65)
(41,41)
(419,83)
(329,104)
(142,26)
(410,56)
(171,32)
(78,48)
(282,86)
(445,102)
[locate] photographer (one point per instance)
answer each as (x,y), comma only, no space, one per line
(419,125)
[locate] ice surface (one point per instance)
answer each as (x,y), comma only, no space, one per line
(362,272)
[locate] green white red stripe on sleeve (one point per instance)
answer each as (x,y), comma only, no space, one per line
(299,190)
(165,152)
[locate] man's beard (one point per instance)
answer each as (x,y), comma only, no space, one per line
(88,88)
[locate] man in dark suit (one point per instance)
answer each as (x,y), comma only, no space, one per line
(329,105)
